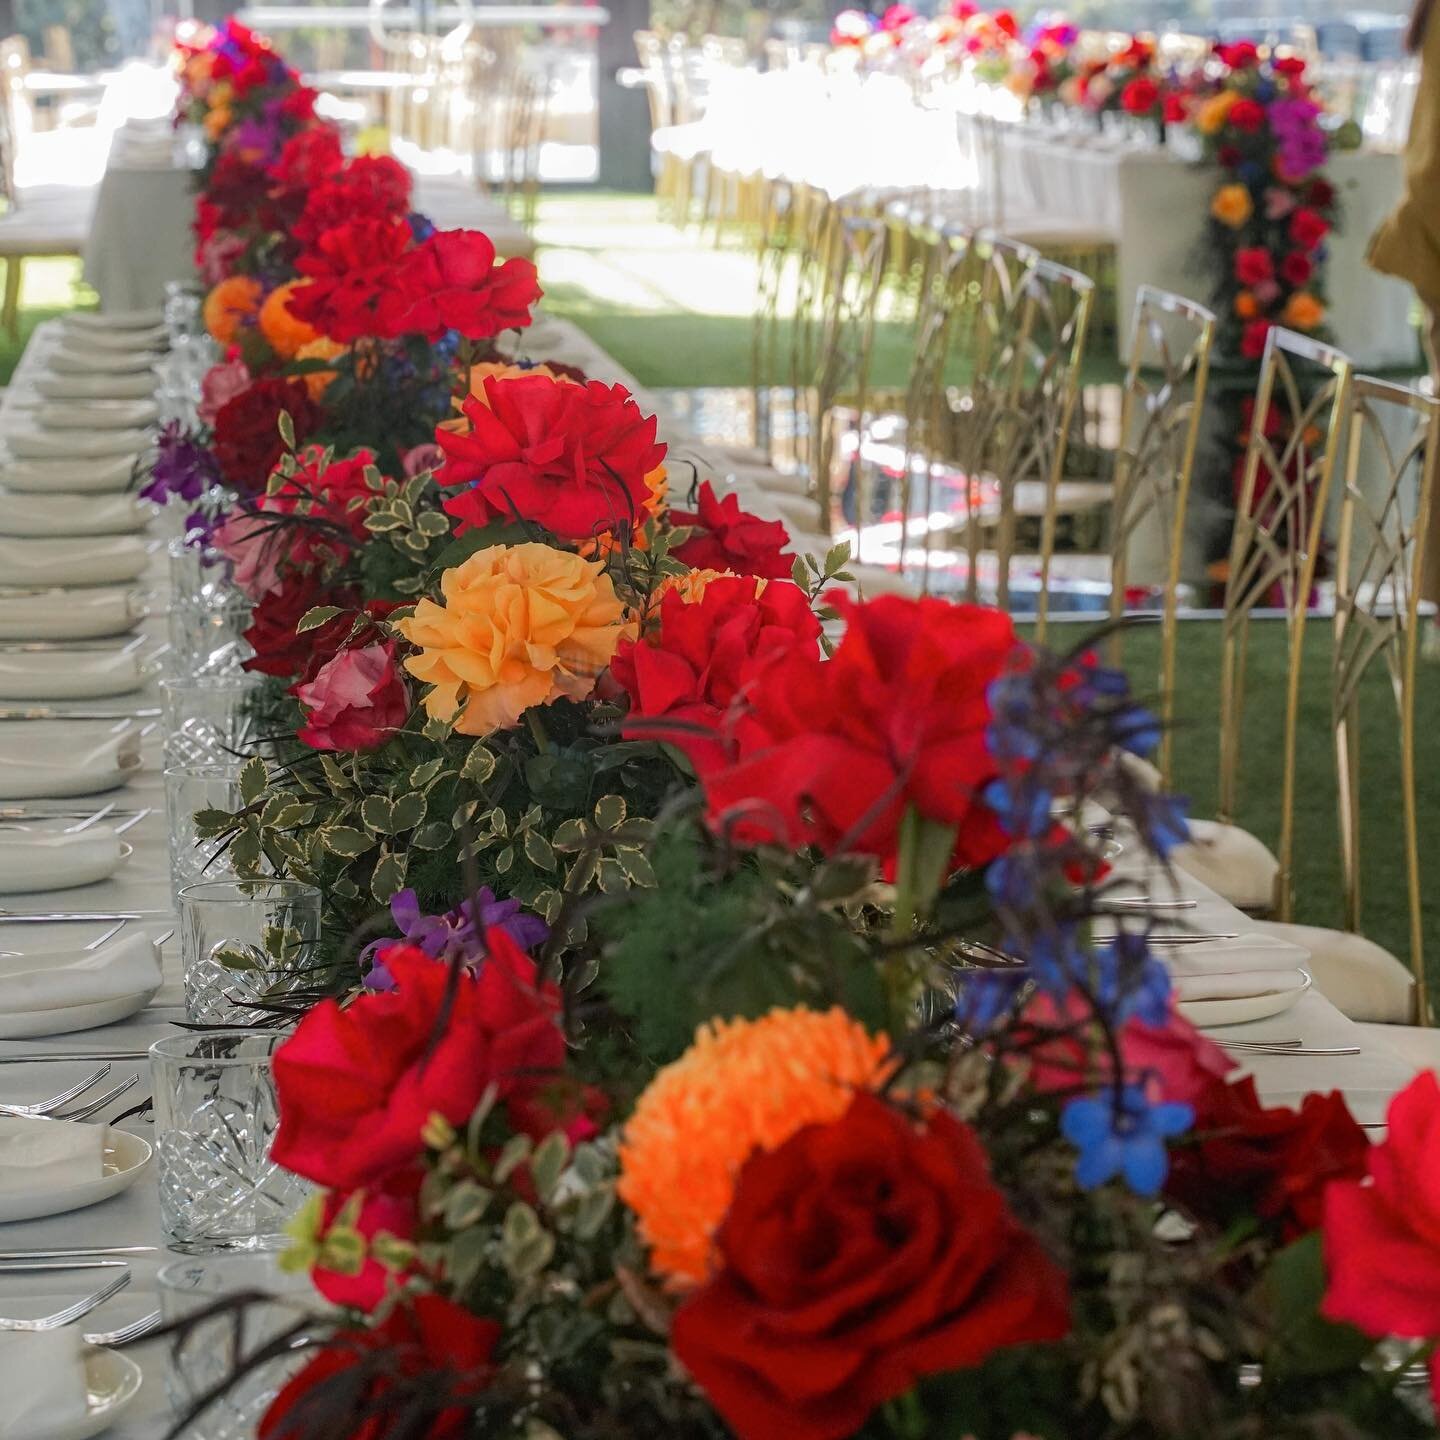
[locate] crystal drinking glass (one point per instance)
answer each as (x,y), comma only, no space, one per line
(215,1119)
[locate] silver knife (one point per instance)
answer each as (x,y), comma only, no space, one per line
(21,917)
(77,1057)
(26,1267)
(79,1253)
(48,713)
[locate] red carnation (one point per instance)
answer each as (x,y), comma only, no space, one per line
(389,1210)
(1140,96)
(1308,228)
(728,538)
(247,440)
(1296,269)
(856,1258)
(692,670)
(356,1085)
(372,187)
(1247,116)
(1242,1158)
(1240,55)
(1253,265)
(1253,339)
(833,752)
(571,458)
(356,245)
(426,1345)
(309,158)
(451,282)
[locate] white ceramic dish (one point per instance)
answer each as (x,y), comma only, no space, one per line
(125,1158)
(67,1019)
(1206,1014)
(112,1381)
(89,870)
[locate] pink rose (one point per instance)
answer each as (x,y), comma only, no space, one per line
(356,701)
(428,456)
(1278,203)
(1267,292)
(218,255)
(222,383)
(249,541)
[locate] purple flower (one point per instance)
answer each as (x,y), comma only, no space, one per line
(183,468)
(460,932)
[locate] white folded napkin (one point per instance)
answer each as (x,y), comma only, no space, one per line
(75,477)
(28,442)
(55,759)
(42,675)
(52,860)
(55,979)
(128,342)
(139,386)
(82,321)
(69,614)
(1251,951)
(72,360)
(1241,985)
(84,560)
(39,516)
(42,1376)
(98,415)
(49,1154)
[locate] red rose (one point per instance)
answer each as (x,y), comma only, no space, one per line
(1253,265)
(1241,55)
(1320,194)
(1308,228)
(1247,116)
(1296,269)
(357,701)
(428,1344)
(856,1258)
(572,458)
(693,668)
(309,158)
(729,538)
(1006,23)
(1253,339)
(279,651)
(1176,108)
(357,1085)
(389,1210)
(451,282)
(1291,65)
(1140,96)
(247,440)
(832,752)
(1382,1240)
(1242,1158)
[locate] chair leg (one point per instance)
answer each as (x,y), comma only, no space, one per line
(11,313)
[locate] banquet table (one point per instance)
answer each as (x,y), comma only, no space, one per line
(133,1219)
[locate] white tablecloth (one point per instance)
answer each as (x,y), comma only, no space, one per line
(140,233)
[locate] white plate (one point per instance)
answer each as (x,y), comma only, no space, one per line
(126,1156)
(67,1019)
(1208,1013)
(112,1381)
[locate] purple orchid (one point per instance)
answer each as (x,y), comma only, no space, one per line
(183,467)
(459,932)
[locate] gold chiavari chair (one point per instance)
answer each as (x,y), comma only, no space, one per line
(815,220)
(1392,458)
(775,248)
(1301,403)
(1161,408)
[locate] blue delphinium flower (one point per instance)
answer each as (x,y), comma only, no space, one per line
(1130,981)
(1120,1132)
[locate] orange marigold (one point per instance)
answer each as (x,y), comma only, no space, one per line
(317,382)
(1247,307)
(1303,311)
(744,1085)
(1232,205)
(230,303)
(285,334)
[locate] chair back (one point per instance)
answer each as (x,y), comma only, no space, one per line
(1297,423)
(1392,457)
(1161,407)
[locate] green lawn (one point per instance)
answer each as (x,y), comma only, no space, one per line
(48,288)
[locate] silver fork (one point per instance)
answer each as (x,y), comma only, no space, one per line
(133,1331)
(45,1107)
(85,1111)
(70,1313)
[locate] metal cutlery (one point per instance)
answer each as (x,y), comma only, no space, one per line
(29,812)
(95,944)
(48,712)
(37,1267)
(52,917)
(133,1331)
(70,1313)
(79,1253)
(46,1107)
(1256,1047)
(85,1111)
(1144,902)
(75,1057)
(1189,938)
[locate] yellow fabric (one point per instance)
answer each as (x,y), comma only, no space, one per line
(1407,245)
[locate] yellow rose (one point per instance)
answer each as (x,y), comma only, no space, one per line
(1212,115)
(1303,311)
(692,585)
(1232,205)
(520,625)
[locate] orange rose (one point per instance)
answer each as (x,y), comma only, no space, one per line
(229,304)
(519,625)
(498,370)
(1247,307)
(1303,311)
(692,585)
(317,382)
(286,334)
(1232,205)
